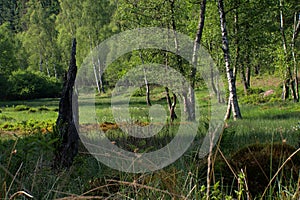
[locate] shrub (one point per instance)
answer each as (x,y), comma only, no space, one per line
(25,84)
(6,118)
(21,108)
(32,110)
(252,99)
(3,86)
(43,108)
(255,90)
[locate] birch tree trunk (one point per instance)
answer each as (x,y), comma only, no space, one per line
(287,83)
(232,101)
(197,41)
(295,34)
(68,118)
(94,67)
(172,104)
(55,72)
(237,63)
(147,89)
(237,43)
(96,76)
(146,83)
(100,76)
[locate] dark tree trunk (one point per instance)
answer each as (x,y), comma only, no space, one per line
(68,118)
(168,97)
(248,75)
(237,42)
(237,63)
(148,101)
(244,79)
(41,63)
(171,105)
(179,64)
(233,101)
(172,109)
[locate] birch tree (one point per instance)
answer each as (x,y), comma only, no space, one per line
(290,82)
(233,100)
(191,114)
(39,39)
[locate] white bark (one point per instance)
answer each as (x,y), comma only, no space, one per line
(191,94)
(233,101)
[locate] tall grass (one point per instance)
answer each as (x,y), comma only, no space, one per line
(25,162)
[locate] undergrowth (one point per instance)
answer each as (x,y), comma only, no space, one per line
(256,157)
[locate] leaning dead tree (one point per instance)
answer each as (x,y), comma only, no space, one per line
(68,118)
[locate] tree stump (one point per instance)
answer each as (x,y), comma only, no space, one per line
(68,118)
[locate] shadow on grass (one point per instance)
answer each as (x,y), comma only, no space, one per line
(276,116)
(51,102)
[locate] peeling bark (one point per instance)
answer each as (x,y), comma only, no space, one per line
(287,83)
(191,94)
(233,101)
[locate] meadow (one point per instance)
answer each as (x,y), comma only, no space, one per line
(247,162)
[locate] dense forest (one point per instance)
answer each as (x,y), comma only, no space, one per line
(36,38)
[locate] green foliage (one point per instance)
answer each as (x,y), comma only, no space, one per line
(256,96)
(186,177)
(8,50)
(43,108)
(6,118)
(3,86)
(21,108)
(36,35)
(32,110)
(25,84)
(88,21)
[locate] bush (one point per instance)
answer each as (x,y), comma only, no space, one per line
(32,110)
(43,108)
(21,108)
(25,84)
(252,99)
(3,86)
(255,90)
(6,118)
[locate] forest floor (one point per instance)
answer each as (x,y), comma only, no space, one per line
(247,160)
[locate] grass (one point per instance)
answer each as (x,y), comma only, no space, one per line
(270,131)
(27,117)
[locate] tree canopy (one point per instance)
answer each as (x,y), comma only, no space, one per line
(36,35)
